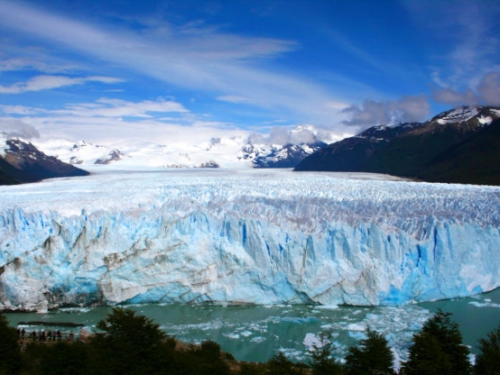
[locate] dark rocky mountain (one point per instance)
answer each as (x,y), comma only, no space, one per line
(21,162)
(278,156)
(459,146)
(112,156)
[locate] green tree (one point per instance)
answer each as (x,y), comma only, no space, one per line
(439,341)
(280,365)
(322,361)
(488,359)
(208,359)
(129,344)
(249,368)
(373,356)
(65,358)
(426,357)
(10,355)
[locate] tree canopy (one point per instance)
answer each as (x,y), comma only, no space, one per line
(438,349)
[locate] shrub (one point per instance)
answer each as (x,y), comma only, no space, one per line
(488,359)
(322,361)
(439,342)
(129,344)
(373,356)
(10,356)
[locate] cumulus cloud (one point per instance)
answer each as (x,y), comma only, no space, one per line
(486,92)
(371,112)
(489,89)
(47,82)
(296,135)
(102,120)
(17,128)
(454,97)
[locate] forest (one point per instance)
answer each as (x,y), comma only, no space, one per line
(127,343)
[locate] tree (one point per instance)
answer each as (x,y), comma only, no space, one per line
(129,344)
(10,356)
(440,342)
(373,356)
(280,365)
(426,357)
(208,359)
(322,362)
(488,359)
(65,358)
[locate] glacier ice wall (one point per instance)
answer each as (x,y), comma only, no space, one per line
(261,237)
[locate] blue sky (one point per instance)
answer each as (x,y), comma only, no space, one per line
(104,70)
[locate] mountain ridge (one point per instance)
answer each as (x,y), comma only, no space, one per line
(22,162)
(254,151)
(456,146)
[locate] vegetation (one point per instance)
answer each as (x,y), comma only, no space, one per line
(373,356)
(438,349)
(488,359)
(322,361)
(131,344)
(10,357)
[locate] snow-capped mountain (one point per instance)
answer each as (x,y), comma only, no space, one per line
(475,116)
(460,145)
(227,152)
(21,161)
(244,236)
(278,156)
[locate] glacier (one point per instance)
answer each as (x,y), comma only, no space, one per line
(244,236)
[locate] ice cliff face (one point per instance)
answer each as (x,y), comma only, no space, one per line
(254,236)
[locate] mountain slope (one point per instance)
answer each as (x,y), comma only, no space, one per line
(443,149)
(21,162)
(278,156)
(225,152)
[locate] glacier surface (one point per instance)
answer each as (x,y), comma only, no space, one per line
(245,236)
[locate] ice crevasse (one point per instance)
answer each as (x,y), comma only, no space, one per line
(248,237)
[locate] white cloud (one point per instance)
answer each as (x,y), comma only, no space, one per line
(193,58)
(17,128)
(47,82)
(489,88)
(120,108)
(466,31)
(455,98)
(35,60)
(233,99)
(104,120)
(371,112)
(292,135)
(487,92)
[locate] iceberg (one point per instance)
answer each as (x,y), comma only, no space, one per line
(244,236)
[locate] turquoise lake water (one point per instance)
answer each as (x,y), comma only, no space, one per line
(256,333)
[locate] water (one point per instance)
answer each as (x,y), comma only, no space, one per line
(256,333)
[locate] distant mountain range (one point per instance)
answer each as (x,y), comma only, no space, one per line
(21,162)
(457,146)
(225,152)
(278,156)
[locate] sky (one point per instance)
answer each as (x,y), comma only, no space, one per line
(166,71)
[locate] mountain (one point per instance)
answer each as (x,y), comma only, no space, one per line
(278,156)
(21,162)
(458,146)
(226,152)
(81,152)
